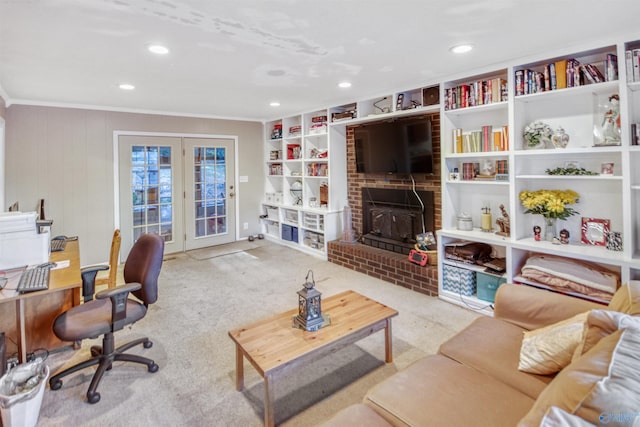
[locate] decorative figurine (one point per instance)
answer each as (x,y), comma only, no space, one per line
(564,236)
(504,223)
(611,122)
(537,231)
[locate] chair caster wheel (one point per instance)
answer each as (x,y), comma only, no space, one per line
(153,368)
(93,397)
(96,350)
(55,384)
(147,344)
(251,238)
(261,236)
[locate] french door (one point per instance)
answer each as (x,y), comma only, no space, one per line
(181,188)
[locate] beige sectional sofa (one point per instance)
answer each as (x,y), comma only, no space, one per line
(474,379)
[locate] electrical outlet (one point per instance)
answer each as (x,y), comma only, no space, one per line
(245,226)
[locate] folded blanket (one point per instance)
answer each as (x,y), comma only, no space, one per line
(579,276)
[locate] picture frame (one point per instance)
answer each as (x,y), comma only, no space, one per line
(607,168)
(595,231)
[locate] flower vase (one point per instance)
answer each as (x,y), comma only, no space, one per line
(550,229)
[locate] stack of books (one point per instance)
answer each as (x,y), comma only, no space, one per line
(318,125)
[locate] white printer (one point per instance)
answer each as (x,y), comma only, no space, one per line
(20,242)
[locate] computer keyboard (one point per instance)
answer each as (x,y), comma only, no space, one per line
(34,279)
(58,245)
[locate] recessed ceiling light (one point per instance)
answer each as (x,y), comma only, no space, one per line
(127,86)
(344,85)
(158,49)
(274,104)
(461,48)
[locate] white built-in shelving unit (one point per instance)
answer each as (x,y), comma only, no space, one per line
(579,110)
(306,169)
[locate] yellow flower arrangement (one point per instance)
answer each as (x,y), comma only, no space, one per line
(550,203)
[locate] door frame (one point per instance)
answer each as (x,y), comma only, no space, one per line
(116,169)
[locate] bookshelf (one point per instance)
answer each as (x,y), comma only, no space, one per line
(305,182)
(579,106)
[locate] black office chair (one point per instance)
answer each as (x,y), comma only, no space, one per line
(111,310)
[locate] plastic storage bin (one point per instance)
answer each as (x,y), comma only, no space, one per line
(458,280)
(289,233)
(488,285)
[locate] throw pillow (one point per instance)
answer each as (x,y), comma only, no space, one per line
(600,386)
(547,350)
(599,324)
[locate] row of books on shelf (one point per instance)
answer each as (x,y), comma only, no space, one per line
(294,151)
(318,125)
(477,93)
(485,140)
(487,171)
(635,133)
(632,63)
(565,73)
(275,169)
(317,169)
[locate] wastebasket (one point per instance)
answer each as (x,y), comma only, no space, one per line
(21,391)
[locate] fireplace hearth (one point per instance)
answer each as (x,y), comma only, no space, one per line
(391,218)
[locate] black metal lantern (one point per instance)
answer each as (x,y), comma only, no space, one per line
(309,306)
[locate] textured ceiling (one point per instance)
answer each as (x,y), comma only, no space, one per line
(231,58)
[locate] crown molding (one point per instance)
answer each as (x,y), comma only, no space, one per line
(35,103)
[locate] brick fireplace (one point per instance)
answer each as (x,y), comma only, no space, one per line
(380,263)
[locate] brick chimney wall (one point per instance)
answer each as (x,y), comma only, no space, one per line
(379,263)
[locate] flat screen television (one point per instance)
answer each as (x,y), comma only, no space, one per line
(400,146)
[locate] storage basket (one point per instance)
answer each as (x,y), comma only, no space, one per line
(458,280)
(272,213)
(488,285)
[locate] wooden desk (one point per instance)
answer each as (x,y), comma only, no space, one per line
(29,322)
(274,347)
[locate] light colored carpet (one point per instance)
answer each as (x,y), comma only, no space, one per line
(201,299)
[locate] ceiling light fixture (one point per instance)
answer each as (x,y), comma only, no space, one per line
(274,104)
(126,86)
(344,85)
(461,48)
(158,49)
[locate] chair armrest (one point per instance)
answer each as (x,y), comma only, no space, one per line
(89,274)
(118,296)
(532,308)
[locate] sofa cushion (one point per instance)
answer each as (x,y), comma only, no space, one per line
(603,381)
(493,346)
(547,350)
(436,391)
(532,308)
(357,415)
(627,298)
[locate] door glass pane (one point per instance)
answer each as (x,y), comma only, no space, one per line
(152,191)
(210,191)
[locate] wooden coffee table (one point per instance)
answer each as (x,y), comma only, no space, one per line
(274,347)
